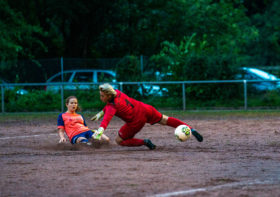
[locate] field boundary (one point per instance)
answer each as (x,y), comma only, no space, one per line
(211,188)
(30,136)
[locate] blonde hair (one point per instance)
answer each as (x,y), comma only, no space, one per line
(108,89)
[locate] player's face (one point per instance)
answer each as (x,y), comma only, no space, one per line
(104,97)
(72,105)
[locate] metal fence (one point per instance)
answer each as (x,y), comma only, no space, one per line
(121,86)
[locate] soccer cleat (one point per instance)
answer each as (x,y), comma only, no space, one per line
(149,144)
(197,135)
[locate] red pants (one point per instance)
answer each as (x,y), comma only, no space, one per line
(148,114)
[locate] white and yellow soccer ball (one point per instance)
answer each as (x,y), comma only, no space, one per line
(183,133)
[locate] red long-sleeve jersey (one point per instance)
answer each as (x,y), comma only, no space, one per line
(129,110)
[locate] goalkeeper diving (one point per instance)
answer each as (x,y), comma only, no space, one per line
(135,114)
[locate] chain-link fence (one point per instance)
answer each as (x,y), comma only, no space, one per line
(171,95)
(29,90)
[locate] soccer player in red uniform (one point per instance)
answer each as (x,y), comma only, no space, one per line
(74,124)
(135,114)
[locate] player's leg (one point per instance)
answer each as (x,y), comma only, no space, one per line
(127,133)
(135,142)
(126,136)
(83,140)
(174,122)
(103,136)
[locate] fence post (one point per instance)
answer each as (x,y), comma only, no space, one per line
(61,87)
(62,98)
(184,96)
(3,99)
(61,66)
(245,94)
(121,86)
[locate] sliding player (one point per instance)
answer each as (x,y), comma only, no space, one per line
(135,114)
(74,125)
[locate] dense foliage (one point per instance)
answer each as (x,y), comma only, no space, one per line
(194,39)
(43,101)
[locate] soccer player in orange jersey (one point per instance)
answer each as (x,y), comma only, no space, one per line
(74,124)
(135,114)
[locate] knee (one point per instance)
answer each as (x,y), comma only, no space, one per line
(118,140)
(81,139)
(163,120)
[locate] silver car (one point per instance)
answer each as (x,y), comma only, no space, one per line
(80,76)
(270,81)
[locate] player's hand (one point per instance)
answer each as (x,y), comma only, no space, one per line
(98,116)
(97,134)
(62,140)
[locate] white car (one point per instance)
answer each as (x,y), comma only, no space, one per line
(270,81)
(80,76)
(152,90)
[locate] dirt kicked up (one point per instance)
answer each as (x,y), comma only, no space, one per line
(240,156)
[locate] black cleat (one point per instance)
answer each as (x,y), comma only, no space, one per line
(197,135)
(149,144)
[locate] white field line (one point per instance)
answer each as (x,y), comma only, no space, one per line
(236,184)
(25,136)
(30,136)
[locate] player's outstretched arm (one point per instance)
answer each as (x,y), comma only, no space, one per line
(61,135)
(98,116)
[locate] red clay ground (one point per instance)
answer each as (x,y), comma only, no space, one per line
(239,157)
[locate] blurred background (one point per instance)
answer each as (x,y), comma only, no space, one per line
(203,41)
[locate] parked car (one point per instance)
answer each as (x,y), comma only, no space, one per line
(152,90)
(78,76)
(269,80)
(96,76)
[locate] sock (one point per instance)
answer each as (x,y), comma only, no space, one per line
(132,142)
(174,122)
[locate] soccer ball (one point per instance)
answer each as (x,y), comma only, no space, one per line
(183,132)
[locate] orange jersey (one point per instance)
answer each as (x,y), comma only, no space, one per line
(73,124)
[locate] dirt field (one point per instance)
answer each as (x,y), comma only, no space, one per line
(240,156)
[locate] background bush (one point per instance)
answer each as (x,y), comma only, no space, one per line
(44,101)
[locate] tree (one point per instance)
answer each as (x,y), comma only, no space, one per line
(266,49)
(213,51)
(17,37)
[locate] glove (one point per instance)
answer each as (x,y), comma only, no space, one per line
(97,134)
(98,116)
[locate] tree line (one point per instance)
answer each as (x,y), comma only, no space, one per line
(194,39)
